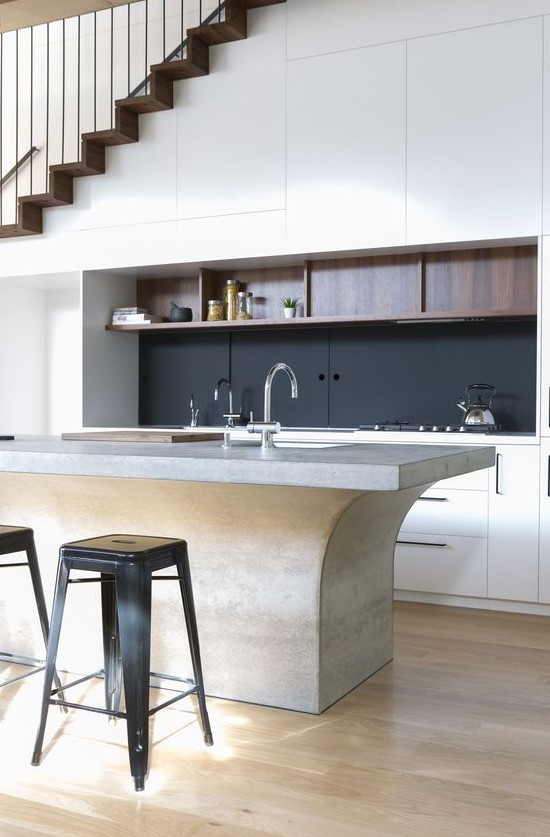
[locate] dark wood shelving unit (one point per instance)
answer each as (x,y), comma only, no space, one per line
(497,282)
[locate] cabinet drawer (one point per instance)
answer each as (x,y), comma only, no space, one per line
(449,512)
(476,480)
(452,565)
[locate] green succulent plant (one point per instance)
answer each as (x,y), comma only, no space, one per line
(288,302)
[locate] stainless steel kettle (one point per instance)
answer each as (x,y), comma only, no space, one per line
(477,409)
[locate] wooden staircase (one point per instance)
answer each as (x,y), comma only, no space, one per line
(127,111)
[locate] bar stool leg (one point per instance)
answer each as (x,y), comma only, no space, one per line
(134,619)
(186,589)
(34,569)
(32,560)
(51,655)
(111,644)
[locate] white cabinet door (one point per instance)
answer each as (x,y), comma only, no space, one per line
(544,293)
(513,524)
(346,149)
(474,133)
(544,554)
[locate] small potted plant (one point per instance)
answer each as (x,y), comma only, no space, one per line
(289,306)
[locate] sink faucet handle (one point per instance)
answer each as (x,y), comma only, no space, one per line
(267,429)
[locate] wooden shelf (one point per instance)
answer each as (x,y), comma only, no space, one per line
(486,283)
(312,322)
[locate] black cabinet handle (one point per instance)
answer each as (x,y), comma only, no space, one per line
(420,543)
(434,499)
(498,474)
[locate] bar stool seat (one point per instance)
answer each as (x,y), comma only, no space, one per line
(125,564)
(21,539)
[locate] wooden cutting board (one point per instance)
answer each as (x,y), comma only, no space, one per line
(143,436)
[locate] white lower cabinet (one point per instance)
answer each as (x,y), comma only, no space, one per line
(442,545)
(479,535)
(544,555)
(513,557)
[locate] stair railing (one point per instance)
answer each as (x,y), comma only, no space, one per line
(62,79)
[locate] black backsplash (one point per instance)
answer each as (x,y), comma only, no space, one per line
(346,376)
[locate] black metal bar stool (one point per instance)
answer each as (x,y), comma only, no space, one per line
(21,539)
(126,564)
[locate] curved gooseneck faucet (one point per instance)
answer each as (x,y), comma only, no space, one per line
(278,367)
(230,391)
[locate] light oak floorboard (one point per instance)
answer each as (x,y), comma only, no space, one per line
(451,738)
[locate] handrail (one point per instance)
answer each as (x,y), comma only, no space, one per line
(18,165)
(179,49)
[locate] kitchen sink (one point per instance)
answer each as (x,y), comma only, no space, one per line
(305,445)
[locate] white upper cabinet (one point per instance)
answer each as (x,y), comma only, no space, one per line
(231,125)
(546,129)
(474,145)
(317,26)
(346,149)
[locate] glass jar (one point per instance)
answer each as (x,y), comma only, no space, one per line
(244,305)
(215,310)
(231,290)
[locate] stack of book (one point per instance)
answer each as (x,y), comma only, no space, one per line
(135,315)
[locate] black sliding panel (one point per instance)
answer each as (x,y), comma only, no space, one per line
(502,354)
(172,368)
(253,354)
(381,374)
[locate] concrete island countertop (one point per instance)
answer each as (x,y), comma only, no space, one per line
(291,549)
(366,467)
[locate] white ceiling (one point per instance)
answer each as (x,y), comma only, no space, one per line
(17,14)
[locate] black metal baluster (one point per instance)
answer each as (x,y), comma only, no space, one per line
(47,104)
(146,39)
(95,71)
(128,47)
(1,124)
(181,31)
(31,106)
(78,86)
(63,99)
(112,108)
(16,118)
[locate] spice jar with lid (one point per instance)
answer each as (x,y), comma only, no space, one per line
(244,305)
(215,310)
(231,289)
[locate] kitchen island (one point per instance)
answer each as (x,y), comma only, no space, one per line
(291,548)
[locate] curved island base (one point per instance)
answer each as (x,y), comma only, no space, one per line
(293,586)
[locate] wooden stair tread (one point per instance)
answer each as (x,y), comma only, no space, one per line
(214,34)
(179,69)
(109,137)
(143,104)
(16,231)
(45,200)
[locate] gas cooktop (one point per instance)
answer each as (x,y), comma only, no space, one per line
(407,427)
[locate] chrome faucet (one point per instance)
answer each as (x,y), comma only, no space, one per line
(269,380)
(267,427)
(230,416)
(194,413)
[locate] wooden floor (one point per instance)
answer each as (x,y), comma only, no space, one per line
(451,739)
